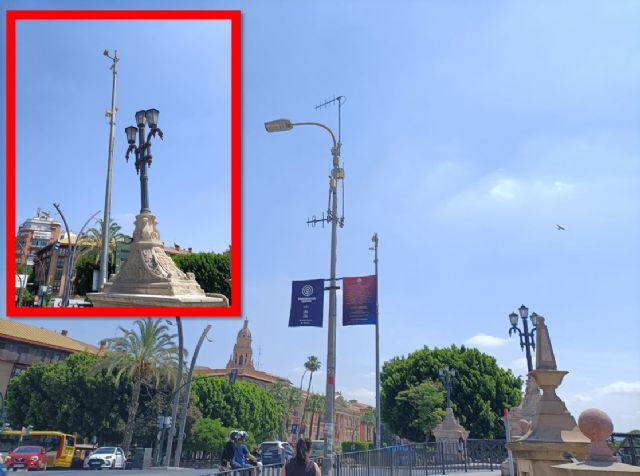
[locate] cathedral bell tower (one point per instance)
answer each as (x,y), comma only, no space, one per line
(242,357)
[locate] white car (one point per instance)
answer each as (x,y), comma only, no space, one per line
(110,457)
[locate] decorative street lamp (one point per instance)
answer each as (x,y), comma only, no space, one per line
(527,337)
(143,150)
(446,374)
(337,173)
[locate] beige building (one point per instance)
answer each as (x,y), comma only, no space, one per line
(22,345)
(349,420)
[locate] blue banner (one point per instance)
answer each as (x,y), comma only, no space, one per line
(359,300)
(307,303)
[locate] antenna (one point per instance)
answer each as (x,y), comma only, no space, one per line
(259,355)
(339,100)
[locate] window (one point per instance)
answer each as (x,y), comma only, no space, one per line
(58,274)
(60,263)
(18,260)
(18,369)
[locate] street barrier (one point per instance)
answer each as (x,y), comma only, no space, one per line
(423,459)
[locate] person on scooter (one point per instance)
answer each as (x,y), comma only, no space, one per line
(242,454)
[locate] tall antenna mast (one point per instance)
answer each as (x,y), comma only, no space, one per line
(313,221)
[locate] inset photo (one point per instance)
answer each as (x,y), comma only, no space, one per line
(123,163)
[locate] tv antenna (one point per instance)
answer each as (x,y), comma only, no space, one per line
(313,221)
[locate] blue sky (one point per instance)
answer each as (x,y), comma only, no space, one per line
(470,130)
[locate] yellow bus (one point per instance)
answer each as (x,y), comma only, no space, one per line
(60,447)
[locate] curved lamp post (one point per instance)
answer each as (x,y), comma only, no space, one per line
(143,150)
(446,374)
(527,337)
(337,173)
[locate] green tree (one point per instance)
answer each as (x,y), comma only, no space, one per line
(67,397)
(212,270)
(480,390)
(369,420)
(242,405)
(280,391)
(418,410)
(208,435)
(145,356)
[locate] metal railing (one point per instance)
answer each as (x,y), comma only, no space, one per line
(627,447)
(423,459)
(266,470)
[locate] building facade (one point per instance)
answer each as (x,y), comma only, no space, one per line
(53,261)
(22,345)
(33,235)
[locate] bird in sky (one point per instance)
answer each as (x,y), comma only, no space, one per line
(560,227)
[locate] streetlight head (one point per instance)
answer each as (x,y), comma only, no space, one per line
(105,52)
(534,319)
(131,134)
(140,118)
(152,117)
(279,125)
(513,318)
(524,311)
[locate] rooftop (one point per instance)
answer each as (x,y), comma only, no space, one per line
(10,329)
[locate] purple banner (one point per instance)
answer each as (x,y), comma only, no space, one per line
(359,300)
(307,303)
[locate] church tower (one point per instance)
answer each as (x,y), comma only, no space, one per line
(242,357)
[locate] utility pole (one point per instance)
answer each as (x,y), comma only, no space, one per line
(374,238)
(104,252)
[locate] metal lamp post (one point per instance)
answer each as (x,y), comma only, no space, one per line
(374,248)
(143,150)
(337,173)
(106,220)
(527,337)
(71,263)
(446,374)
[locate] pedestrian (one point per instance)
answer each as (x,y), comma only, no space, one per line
(301,464)
(461,448)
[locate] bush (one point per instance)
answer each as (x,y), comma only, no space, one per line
(352,446)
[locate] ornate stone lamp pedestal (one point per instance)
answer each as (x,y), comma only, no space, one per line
(150,278)
(553,432)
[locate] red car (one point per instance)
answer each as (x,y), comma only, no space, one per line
(29,457)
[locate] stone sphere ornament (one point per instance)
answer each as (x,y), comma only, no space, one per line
(597,426)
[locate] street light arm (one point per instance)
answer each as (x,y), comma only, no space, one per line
(333,137)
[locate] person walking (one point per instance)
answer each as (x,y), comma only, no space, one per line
(301,464)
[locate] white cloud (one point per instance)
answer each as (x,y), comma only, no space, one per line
(620,388)
(485,340)
(363,395)
(504,190)
(578,397)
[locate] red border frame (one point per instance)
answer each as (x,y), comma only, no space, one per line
(236,209)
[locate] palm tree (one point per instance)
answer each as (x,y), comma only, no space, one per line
(312,365)
(93,238)
(315,405)
(144,355)
(370,421)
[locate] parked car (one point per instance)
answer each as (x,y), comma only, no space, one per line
(27,457)
(276,452)
(110,457)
